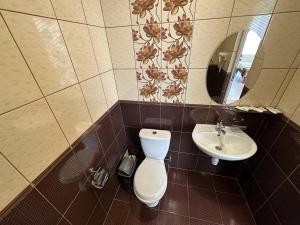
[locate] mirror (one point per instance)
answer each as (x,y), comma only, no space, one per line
(234,67)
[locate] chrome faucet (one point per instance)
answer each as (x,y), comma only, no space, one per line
(220,128)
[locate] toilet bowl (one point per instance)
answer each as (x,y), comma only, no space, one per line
(150,179)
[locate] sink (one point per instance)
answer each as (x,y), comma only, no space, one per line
(234,145)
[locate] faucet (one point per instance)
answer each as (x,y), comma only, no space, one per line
(220,128)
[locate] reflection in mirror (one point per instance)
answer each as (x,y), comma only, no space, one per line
(234,67)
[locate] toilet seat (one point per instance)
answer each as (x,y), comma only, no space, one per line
(150,180)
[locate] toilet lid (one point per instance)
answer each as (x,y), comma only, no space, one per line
(150,179)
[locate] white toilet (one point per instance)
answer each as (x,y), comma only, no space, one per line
(150,179)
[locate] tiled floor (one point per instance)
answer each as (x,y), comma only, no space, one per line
(191,199)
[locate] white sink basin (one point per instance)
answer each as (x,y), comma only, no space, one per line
(232,146)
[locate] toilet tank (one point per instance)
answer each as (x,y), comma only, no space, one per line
(155,143)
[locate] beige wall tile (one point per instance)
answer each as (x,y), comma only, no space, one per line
(265,88)
(42,45)
(31,139)
(71,10)
(101,48)
(213,8)
(80,48)
(37,7)
(93,12)
(258,24)
(94,95)
(12,182)
(287,5)
(196,88)
(126,84)
(116,12)
(290,99)
(71,111)
(296,63)
(281,40)
(17,85)
(110,89)
(283,86)
(253,7)
(208,35)
(121,47)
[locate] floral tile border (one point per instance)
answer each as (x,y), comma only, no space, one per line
(162,35)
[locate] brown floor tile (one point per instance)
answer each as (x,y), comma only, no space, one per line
(200,180)
(201,222)
(124,194)
(234,210)
(175,199)
(166,218)
(227,185)
(204,205)
(178,176)
(118,213)
(142,216)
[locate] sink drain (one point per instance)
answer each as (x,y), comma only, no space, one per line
(218,148)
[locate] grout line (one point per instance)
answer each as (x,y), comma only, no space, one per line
(107,214)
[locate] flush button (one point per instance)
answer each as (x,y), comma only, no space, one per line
(154,132)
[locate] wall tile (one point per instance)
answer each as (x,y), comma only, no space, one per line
(80,49)
(106,133)
(94,95)
(93,12)
(213,9)
(171,12)
(71,112)
(186,161)
(244,7)
(19,87)
(196,88)
(117,118)
(69,10)
(295,177)
(150,115)
(296,116)
(110,89)
(32,130)
(287,158)
(63,180)
(101,48)
(38,7)
(187,144)
(122,18)
(265,88)
(131,114)
(192,116)
(32,209)
(282,37)
(283,86)
(290,99)
(268,169)
(286,193)
(208,35)
(121,49)
(287,6)
(41,43)
(12,182)
(171,116)
(127,84)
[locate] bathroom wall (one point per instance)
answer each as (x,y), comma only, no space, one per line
(270,179)
(210,22)
(56,80)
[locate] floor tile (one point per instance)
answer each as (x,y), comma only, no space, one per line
(234,210)
(142,216)
(118,213)
(178,176)
(203,204)
(166,218)
(200,180)
(201,222)
(175,199)
(227,185)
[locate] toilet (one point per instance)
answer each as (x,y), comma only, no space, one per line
(150,179)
